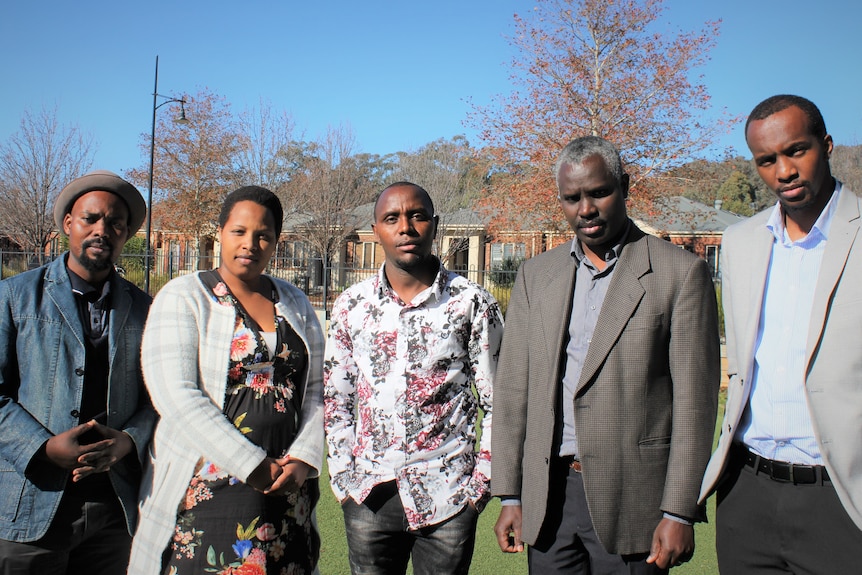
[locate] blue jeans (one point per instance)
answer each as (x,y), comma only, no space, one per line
(84,538)
(380,542)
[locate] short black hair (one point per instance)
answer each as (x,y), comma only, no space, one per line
(781,102)
(403,184)
(258,195)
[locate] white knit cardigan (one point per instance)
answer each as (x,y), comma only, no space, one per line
(185,354)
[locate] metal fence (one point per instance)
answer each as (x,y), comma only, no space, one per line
(322,284)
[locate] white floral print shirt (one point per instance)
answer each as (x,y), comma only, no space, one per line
(403,385)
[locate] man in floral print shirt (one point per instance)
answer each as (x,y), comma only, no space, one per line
(410,361)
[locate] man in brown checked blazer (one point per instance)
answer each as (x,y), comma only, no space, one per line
(606,396)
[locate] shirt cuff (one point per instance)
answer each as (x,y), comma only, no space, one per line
(509,500)
(678,519)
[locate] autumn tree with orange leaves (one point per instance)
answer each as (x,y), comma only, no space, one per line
(194,167)
(594,67)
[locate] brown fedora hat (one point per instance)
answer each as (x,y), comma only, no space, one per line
(105,181)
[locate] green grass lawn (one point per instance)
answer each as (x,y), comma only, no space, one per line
(488,559)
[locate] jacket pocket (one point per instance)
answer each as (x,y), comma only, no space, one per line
(655,442)
(11,493)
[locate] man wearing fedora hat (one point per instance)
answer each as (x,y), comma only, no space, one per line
(74,414)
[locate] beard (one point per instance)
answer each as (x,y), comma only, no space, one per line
(96,264)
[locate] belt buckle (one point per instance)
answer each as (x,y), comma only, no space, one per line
(786,469)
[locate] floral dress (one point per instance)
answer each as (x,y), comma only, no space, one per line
(223,525)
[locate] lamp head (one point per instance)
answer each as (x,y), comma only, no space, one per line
(182,119)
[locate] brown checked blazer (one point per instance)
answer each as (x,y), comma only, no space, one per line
(646,403)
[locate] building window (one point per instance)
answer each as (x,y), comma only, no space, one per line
(365,255)
(712,260)
(293,254)
(502,252)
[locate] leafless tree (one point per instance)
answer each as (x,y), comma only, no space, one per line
(35,163)
(335,184)
(452,175)
(271,154)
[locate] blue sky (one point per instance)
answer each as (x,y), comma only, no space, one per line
(399,73)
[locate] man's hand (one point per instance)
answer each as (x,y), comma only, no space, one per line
(672,544)
(508,529)
(64,449)
(99,457)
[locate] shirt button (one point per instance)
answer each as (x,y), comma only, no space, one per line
(79,371)
(75,413)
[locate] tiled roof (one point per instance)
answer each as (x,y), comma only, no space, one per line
(678,214)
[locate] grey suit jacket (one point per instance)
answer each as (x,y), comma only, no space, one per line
(646,403)
(833,382)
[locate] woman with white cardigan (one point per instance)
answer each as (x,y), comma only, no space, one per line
(232,359)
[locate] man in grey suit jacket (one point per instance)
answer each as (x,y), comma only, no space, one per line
(788,467)
(606,392)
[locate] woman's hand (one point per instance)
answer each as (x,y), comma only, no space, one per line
(294,473)
(265,475)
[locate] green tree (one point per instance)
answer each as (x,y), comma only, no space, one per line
(702,180)
(134,254)
(737,194)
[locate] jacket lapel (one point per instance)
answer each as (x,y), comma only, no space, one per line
(755,269)
(624,294)
(59,289)
(555,310)
(121,305)
(842,235)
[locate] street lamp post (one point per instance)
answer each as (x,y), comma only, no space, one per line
(181,120)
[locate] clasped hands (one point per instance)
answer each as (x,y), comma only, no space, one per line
(279,476)
(66,450)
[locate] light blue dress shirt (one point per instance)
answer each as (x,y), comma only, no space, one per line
(776,423)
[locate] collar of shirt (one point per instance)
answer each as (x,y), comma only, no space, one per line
(820,229)
(611,256)
(588,296)
(82,287)
(436,288)
(92,306)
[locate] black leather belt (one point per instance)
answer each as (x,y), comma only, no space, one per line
(782,470)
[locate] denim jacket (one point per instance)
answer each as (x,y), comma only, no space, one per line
(42,353)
